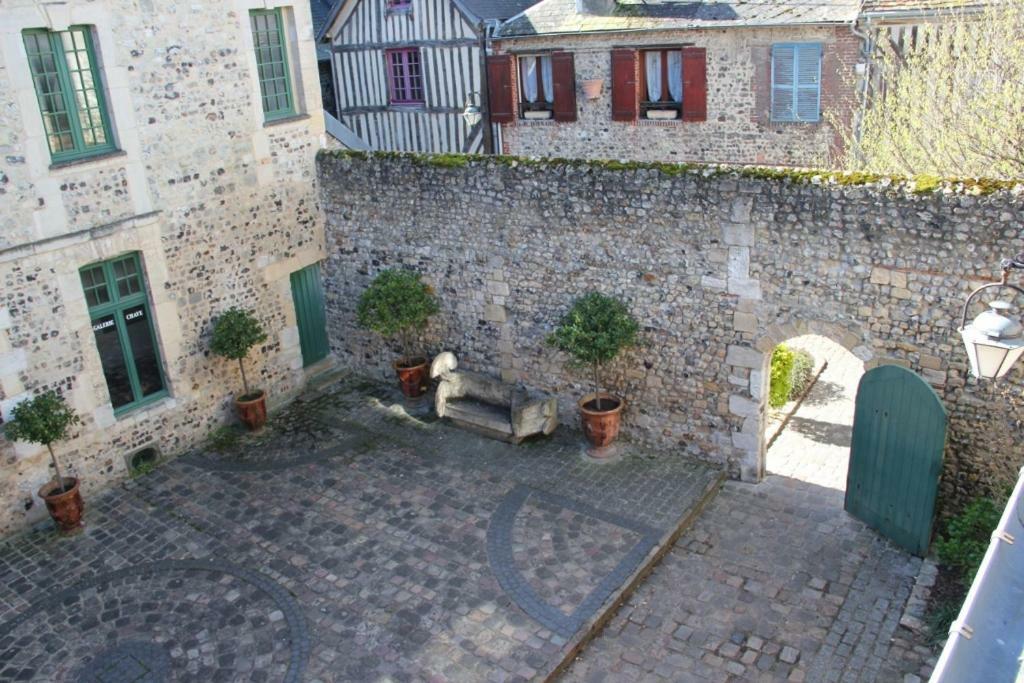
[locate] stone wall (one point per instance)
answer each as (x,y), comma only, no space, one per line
(717,267)
(737,130)
(221,208)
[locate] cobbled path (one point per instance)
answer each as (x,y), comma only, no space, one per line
(347,542)
(775,582)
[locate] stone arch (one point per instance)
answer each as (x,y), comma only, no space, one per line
(750,365)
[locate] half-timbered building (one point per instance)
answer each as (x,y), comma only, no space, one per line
(404,70)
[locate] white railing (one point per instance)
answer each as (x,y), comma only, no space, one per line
(986,642)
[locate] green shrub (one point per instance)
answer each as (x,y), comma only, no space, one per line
(234,335)
(967,536)
(397,304)
(44,419)
(802,373)
(781,376)
(593,332)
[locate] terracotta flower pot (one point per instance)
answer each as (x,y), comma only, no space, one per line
(601,426)
(592,88)
(65,507)
(252,411)
(413,376)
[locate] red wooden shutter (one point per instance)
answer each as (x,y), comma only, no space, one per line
(624,103)
(563,75)
(499,89)
(695,84)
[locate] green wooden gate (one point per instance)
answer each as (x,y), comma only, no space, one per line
(899,433)
(308,295)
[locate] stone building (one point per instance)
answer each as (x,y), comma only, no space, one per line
(751,82)
(156,168)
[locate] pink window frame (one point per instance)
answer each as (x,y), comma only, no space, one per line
(408,81)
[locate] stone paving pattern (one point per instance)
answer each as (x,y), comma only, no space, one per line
(348,542)
(775,582)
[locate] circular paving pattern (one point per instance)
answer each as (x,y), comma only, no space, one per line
(175,620)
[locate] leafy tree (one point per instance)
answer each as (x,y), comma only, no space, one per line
(397,304)
(45,420)
(234,335)
(593,332)
(951,105)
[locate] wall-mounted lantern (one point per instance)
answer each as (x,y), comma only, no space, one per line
(472,113)
(994,340)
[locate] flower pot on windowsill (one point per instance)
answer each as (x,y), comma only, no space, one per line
(662,114)
(592,88)
(252,409)
(538,115)
(64,503)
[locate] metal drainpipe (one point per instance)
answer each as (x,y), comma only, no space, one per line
(485,108)
(867,52)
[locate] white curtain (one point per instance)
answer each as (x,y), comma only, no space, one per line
(653,67)
(675,75)
(546,74)
(528,68)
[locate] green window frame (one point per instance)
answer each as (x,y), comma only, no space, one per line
(116,294)
(69,89)
(268,38)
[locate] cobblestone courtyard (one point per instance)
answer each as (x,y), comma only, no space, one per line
(776,582)
(348,542)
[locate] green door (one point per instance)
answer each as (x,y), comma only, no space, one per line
(308,295)
(899,433)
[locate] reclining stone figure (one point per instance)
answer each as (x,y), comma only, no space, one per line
(488,406)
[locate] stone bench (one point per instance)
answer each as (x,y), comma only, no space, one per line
(488,406)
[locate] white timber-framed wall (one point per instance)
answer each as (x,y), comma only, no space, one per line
(448,40)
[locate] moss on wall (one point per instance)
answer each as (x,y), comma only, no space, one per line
(919,185)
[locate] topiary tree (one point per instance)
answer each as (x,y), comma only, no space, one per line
(234,335)
(397,304)
(45,420)
(593,332)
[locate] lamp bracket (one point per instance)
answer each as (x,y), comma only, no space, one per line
(1007,264)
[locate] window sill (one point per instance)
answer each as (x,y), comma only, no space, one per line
(156,403)
(102,156)
(783,124)
(285,120)
(411,106)
(403,9)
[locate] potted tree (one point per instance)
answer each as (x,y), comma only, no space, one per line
(45,420)
(234,335)
(398,304)
(593,332)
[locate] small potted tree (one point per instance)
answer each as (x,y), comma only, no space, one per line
(398,304)
(593,333)
(45,420)
(234,335)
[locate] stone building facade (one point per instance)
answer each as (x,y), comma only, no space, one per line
(746,50)
(718,267)
(738,128)
(175,173)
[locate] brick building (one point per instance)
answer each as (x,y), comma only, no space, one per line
(758,82)
(156,168)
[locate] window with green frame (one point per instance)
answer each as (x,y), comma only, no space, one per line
(70,92)
(268,39)
(115,292)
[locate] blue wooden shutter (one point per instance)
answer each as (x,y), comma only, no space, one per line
(808,82)
(783,58)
